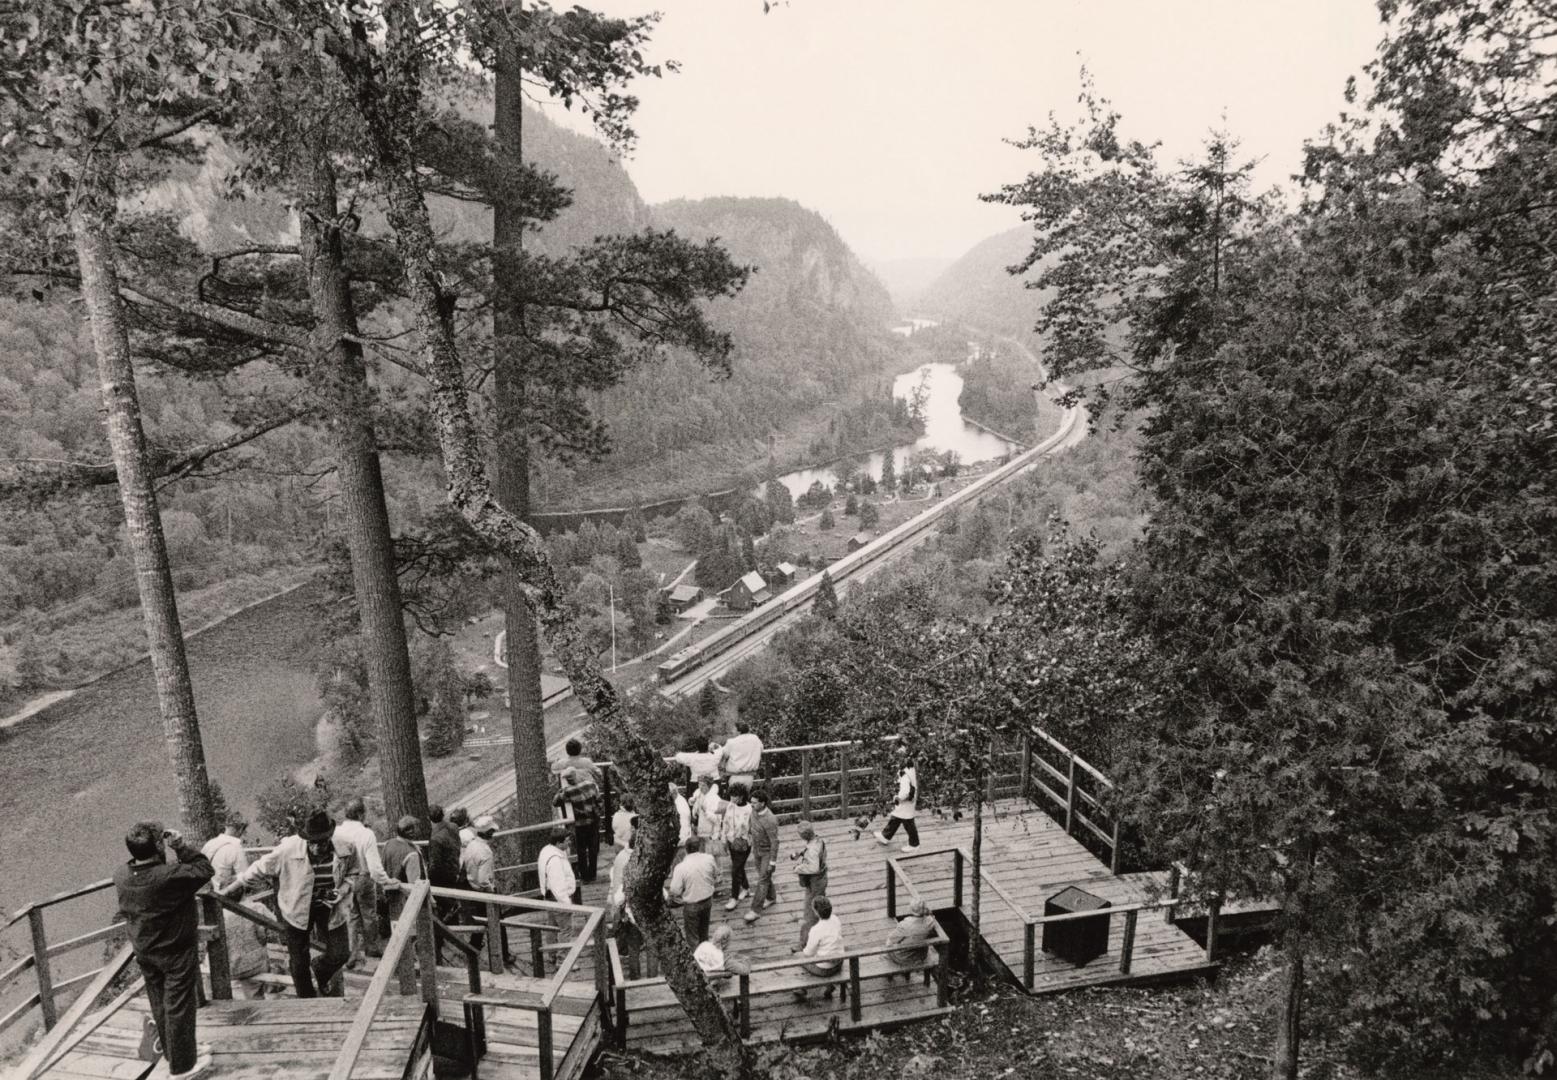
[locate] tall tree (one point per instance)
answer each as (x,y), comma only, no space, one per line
(387,82)
(91,97)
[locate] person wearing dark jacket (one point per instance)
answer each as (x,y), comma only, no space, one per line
(157,900)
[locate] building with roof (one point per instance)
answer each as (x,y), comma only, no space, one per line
(860,539)
(784,574)
(748,592)
(681,597)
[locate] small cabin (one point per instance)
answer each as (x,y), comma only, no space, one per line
(747,593)
(682,597)
(784,574)
(860,539)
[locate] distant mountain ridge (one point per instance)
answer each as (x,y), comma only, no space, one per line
(977,289)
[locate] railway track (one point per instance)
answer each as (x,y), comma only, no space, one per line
(688,670)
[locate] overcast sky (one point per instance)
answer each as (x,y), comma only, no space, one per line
(887,115)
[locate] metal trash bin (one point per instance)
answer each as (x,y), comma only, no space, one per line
(1076,940)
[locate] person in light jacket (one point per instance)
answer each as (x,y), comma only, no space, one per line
(904,809)
(315,874)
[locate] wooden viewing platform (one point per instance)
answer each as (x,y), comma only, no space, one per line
(1046,827)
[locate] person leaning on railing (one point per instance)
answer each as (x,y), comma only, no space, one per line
(741,758)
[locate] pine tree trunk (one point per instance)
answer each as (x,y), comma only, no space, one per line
(91,222)
(340,379)
(387,88)
(532,775)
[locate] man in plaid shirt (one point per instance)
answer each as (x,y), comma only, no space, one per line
(580,789)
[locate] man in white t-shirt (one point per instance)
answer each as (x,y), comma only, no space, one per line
(741,758)
(225,851)
(555,871)
(683,815)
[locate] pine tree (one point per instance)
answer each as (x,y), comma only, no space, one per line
(633,524)
(708,701)
(889,472)
(826,603)
(826,521)
(851,506)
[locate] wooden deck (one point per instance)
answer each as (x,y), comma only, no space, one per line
(247,1040)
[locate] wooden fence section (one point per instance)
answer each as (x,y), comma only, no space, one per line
(47,993)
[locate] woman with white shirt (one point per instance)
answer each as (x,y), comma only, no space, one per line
(735,831)
(825,944)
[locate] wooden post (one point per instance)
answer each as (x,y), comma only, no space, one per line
(1113,851)
(845,807)
(1029,943)
(891,890)
(989,780)
(1027,763)
(472,1040)
(942,995)
(543,1041)
(1127,947)
(854,989)
(621,1017)
(1070,799)
(1213,917)
(605,794)
(957,878)
(427,955)
(805,783)
(745,1005)
(537,958)
(494,939)
(216,948)
(40,964)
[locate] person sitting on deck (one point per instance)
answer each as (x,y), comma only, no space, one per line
(692,885)
(824,941)
(314,873)
(741,758)
(914,935)
(225,850)
(157,900)
(716,959)
(580,790)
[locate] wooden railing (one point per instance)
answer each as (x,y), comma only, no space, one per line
(57,1042)
(46,997)
(1060,781)
(542,1004)
(962,859)
(737,986)
(395,962)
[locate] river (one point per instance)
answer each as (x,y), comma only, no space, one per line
(945,429)
(76,774)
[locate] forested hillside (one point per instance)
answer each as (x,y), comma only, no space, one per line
(809,329)
(977,290)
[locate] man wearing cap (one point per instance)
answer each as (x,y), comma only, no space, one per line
(478,862)
(157,900)
(314,874)
(402,864)
(362,924)
(225,850)
(580,790)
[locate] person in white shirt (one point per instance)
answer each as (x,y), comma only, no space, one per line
(741,758)
(825,944)
(735,832)
(700,763)
(707,812)
(710,954)
(619,919)
(555,871)
(622,822)
(683,814)
(225,851)
(478,862)
(692,885)
(903,812)
(363,925)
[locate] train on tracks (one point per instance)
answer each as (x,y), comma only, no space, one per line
(798,595)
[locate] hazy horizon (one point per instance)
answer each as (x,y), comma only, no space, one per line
(891,113)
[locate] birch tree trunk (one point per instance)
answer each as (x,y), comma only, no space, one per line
(386,84)
(340,379)
(91,222)
(532,775)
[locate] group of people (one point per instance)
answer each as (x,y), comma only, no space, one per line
(334,884)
